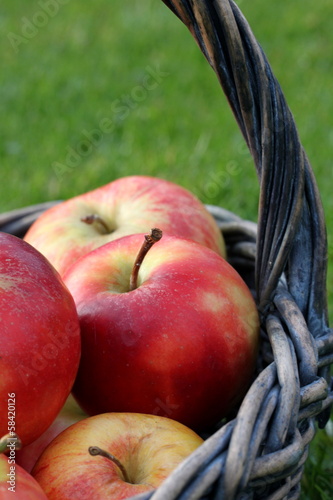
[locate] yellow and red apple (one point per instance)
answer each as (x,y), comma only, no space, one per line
(182,343)
(125,206)
(113,456)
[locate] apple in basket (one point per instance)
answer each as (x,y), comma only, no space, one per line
(114,456)
(17,483)
(70,413)
(40,340)
(171,331)
(125,206)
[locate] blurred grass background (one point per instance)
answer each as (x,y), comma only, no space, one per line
(95,91)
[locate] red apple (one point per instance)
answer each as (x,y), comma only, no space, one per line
(182,343)
(126,206)
(69,414)
(17,483)
(40,340)
(134,453)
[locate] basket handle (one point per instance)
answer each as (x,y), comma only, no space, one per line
(291,227)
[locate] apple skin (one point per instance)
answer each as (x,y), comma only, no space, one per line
(71,413)
(26,487)
(40,340)
(148,446)
(127,205)
(183,344)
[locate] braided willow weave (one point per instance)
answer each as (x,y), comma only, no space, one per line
(260,453)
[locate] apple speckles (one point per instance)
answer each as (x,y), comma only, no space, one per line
(9,282)
(214,303)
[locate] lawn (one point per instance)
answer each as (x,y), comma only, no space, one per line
(77,111)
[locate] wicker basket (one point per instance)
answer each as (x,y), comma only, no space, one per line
(260,454)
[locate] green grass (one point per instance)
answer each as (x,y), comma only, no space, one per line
(88,66)
(318,477)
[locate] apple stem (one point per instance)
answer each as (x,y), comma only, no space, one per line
(10,439)
(96,219)
(95,450)
(150,239)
